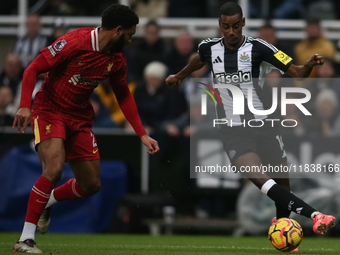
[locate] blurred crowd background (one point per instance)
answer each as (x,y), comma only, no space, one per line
(165,111)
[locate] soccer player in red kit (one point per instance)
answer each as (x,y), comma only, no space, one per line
(62,114)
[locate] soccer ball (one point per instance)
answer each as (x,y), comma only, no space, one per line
(285,234)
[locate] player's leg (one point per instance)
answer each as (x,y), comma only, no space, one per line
(52,156)
(83,157)
(282,196)
(282,212)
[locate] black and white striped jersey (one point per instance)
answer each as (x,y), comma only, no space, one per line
(245,67)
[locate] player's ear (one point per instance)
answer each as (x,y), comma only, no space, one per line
(119,30)
(219,22)
(243,21)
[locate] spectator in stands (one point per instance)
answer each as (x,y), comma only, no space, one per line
(156,102)
(179,55)
(326,121)
(268,33)
(6,100)
(29,46)
(108,99)
(60,28)
(151,48)
(314,43)
(11,74)
(150,8)
(325,79)
(279,9)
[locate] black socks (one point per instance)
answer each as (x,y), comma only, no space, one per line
(286,201)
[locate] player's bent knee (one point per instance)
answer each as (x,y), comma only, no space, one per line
(93,188)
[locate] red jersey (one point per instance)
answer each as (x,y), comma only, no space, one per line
(77,67)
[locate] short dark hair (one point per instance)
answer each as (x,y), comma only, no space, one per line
(152,23)
(230,9)
(313,21)
(119,15)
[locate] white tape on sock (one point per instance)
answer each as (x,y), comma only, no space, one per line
(267,186)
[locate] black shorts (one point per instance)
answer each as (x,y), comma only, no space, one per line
(265,141)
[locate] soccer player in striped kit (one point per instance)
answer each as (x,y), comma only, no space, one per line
(244,62)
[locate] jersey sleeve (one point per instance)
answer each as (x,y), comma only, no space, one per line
(125,100)
(61,50)
(273,56)
(204,51)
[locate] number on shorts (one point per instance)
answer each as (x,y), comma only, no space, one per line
(93,140)
(279,138)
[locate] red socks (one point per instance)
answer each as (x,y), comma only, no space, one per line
(39,196)
(69,191)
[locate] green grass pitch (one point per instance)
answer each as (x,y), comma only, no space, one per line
(67,244)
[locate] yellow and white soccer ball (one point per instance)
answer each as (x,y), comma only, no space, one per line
(285,234)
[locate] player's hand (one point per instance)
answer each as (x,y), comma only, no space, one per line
(314,61)
(22,118)
(150,143)
(173,80)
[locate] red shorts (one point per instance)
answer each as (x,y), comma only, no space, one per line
(79,141)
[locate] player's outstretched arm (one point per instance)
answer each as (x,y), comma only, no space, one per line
(194,64)
(305,70)
(150,143)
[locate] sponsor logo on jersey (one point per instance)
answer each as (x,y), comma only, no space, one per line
(58,46)
(109,67)
(90,82)
(95,151)
(233,78)
(217,60)
(244,58)
(48,129)
(75,79)
(282,57)
(82,63)
(50,48)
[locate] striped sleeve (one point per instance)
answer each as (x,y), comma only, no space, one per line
(204,50)
(272,55)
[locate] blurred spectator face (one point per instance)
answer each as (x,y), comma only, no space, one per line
(12,66)
(326,70)
(154,82)
(59,32)
(326,109)
(33,26)
(151,34)
(273,79)
(269,35)
(184,44)
(154,74)
(313,31)
(6,97)
(326,103)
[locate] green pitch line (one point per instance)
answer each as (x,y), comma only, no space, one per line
(65,244)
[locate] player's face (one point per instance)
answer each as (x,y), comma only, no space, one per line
(123,39)
(231,27)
